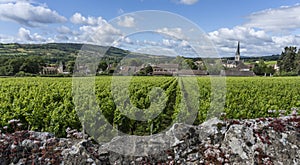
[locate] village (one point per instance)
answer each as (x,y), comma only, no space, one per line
(234,67)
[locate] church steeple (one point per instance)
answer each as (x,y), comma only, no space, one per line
(237,54)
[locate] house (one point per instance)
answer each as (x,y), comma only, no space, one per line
(129,70)
(242,67)
(185,72)
(165,69)
(230,64)
(48,70)
(82,69)
(276,67)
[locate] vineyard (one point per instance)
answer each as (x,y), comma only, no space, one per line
(141,105)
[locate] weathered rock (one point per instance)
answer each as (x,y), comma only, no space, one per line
(253,141)
(79,154)
(41,135)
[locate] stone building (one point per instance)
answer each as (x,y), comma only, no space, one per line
(237,67)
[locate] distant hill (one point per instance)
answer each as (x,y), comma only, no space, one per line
(17,59)
(253,59)
(52,51)
(64,52)
(69,51)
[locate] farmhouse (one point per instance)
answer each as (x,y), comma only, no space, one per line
(50,70)
(165,69)
(129,70)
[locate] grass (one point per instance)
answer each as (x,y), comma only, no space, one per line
(266,62)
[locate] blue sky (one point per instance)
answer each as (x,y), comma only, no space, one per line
(263,28)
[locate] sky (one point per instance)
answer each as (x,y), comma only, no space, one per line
(263,28)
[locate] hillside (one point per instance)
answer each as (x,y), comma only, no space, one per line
(68,51)
(31,58)
(51,50)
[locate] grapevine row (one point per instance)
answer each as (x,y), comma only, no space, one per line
(47,104)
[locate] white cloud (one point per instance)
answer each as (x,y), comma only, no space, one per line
(187,2)
(126,21)
(14,1)
(262,34)
(267,32)
(25,13)
(6,39)
(123,41)
(285,40)
(101,35)
(239,33)
(184,43)
(77,18)
(253,42)
(167,42)
(61,38)
(93,30)
(173,43)
(181,47)
(39,38)
(280,19)
(172,32)
(64,30)
(149,43)
(24,35)
(156,50)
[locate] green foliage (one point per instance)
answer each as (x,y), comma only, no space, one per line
(70,66)
(188,64)
(289,60)
(185,63)
(43,104)
(148,70)
(262,68)
(103,65)
(47,104)
(30,58)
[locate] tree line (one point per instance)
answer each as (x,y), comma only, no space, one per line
(289,61)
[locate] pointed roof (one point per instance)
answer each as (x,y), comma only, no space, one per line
(238,49)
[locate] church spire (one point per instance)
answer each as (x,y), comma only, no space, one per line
(237,54)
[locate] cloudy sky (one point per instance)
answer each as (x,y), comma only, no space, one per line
(263,28)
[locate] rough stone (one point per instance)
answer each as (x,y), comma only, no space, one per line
(252,141)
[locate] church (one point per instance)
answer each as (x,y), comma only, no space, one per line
(236,67)
(237,59)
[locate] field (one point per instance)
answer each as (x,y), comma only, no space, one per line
(266,62)
(47,104)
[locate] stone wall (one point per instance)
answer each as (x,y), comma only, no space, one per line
(253,141)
